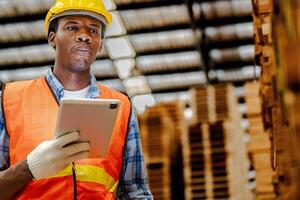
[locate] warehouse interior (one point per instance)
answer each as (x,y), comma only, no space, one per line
(215,85)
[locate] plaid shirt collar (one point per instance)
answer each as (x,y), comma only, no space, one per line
(58,89)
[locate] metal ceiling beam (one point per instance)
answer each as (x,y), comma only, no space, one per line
(201,43)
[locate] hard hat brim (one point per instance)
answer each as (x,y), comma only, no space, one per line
(81,13)
(105,18)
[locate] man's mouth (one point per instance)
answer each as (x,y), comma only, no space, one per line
(83,50)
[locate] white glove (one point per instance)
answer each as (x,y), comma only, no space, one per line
(50,157)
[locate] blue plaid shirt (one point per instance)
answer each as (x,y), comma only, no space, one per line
(133,182)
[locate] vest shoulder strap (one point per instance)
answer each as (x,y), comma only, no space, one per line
(19,87)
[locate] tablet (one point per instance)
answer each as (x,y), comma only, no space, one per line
(94,118)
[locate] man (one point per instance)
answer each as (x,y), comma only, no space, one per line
(36,166)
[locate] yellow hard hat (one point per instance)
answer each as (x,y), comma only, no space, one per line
(92,8)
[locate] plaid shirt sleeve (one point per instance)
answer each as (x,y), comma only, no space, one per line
(4,143)
(133,180)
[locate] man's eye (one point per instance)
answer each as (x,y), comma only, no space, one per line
(94,31)
(72,28)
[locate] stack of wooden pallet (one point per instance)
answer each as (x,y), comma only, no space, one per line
(161,129)
(286,121)
(176,113)
(260,129)
(264,50)
(259,146)
(214,151)
(229,160)
(279,83)
(157,133)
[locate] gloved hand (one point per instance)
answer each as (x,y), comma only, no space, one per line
(52,156)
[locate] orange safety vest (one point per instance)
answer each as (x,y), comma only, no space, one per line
(30,112)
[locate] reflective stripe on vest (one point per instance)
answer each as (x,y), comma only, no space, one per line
(30,111)
(90,173)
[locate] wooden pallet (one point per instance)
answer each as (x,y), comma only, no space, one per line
(264,172)
(216,107)
(252,98)
(161,128)
(214,103)
(228,158)
(157,133)
(259,147)
(263,6)
(259,138)
(159,179)
(278,89)
(209,154)
(202,98)
(176,113)
(158,136)
(194,169)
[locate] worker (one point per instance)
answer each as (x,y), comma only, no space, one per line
(35,165)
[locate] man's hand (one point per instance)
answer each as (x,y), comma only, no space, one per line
(52,156)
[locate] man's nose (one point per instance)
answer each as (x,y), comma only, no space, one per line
(83,36)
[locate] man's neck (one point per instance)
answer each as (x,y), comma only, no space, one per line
(72,80)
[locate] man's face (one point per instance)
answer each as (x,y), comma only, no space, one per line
(77,42)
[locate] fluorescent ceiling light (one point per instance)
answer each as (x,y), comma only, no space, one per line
(24,31)
(176,80)
(124,67)
(250,70)
(116,27)
(230,32)
(174,39)
(136,85)
(115,84)
(243,73)
(22,74)
(142,102)
(242,53)
(170,61)
(119,48)
(247,52)
(155,17)
(28,54)
(102,68)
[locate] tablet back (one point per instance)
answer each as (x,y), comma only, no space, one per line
(94,118)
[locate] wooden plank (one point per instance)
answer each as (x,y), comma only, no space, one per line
(263,6)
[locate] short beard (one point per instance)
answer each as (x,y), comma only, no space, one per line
(80,66)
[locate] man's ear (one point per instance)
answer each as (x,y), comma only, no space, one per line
(51,39)
(100,48)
